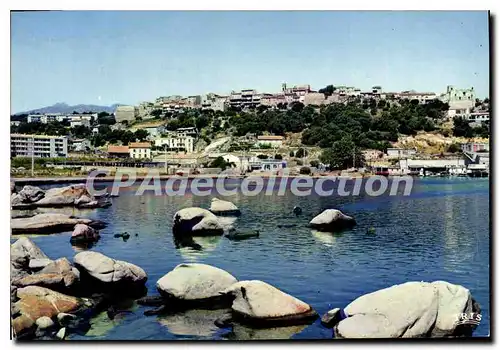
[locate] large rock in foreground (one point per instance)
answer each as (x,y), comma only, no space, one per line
(196,222)
(101,271)
(224,208)
(49,223)
(408,310)
(35,302)
(332,220)
(260,304)
(196,285)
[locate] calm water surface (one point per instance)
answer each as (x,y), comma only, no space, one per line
(440,232)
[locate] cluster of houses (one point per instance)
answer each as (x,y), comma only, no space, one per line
(461,101)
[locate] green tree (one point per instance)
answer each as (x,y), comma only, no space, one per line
(301,153)
(141,135)
(340,156)
(461,127)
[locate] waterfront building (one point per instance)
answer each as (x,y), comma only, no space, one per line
(118,151)
(400,152)
(268,165)
(475,147)
(15,122)
(126,113)
(273,141)
(40,146)
(140,150)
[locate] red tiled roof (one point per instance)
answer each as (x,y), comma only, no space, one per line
(139,145)
(117,149)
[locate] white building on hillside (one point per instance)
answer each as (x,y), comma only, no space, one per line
(178,143)
(270,140)
(140,150)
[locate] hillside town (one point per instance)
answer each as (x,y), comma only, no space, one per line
(200,134)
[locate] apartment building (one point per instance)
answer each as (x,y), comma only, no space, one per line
(178,143)
(59,117)
(247,98)
(41,146)
(45,118)
(214,102)
(140,150)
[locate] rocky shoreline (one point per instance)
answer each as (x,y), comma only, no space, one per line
(51,299)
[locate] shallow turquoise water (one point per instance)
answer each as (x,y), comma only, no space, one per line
(440,232)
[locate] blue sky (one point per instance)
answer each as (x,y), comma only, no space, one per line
(129,57)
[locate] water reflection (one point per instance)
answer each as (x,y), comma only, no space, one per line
(101,324)
(240,332)
(195,248)
(326,238)
(193,322)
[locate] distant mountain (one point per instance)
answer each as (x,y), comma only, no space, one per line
(65,108)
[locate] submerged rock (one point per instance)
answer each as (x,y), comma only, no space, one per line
(408,310)
(193,285)
(50,223)
(195,322)
(106,272)
(196,222)
(297,210)
(332,220)
(84,233)
(241,235)
(259,304)
(220,207)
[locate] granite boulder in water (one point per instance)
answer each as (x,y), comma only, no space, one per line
(50,223)
(84,233)
(332,220)
(260,304)
(57,275)
(224,208)
(196,222)
(408,310)
(195,285)
(106,272)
